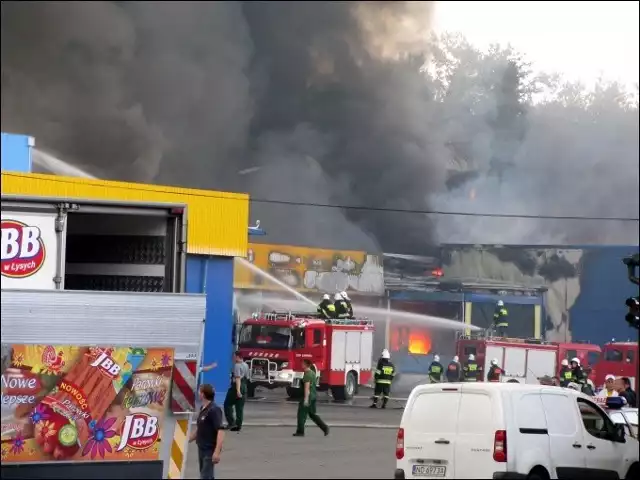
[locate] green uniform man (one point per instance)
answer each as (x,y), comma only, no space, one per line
(326,308)
(307,405)
(236,394)
(435,370)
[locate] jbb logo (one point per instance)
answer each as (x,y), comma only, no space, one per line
(22,249)
(140,431)
(107,365)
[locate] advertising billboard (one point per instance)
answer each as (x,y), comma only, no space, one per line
(80,403)
(29,250)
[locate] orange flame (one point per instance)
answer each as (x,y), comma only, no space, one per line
(419,343)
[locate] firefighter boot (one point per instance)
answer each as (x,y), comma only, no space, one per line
(375,402)
(385,400)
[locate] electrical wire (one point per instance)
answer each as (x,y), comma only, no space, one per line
(206,194)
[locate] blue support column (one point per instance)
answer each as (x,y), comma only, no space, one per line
(213,276)
(16,152)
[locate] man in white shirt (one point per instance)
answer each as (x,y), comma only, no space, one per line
(609,387)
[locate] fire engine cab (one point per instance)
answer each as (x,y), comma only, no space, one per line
(274,345)
(619,359)
(525,360)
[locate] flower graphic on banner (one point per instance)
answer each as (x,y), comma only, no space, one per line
(154,364)
(5,453)
(18,360)
(46,429)
(39,414)
(17,445)
(99,442)
(165,359)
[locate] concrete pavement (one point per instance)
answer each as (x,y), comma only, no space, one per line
(271,453)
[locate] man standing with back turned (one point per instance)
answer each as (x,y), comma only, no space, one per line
(208,433)
(307,405)
(236,394)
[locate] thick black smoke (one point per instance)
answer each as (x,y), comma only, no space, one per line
(290,101)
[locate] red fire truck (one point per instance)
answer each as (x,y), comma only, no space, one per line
(526,360)
(274,345)
(619,359)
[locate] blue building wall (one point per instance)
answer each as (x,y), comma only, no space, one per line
(214,277)
(598,313)
(16,152)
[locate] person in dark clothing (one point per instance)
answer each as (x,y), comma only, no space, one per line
(435,370)
(342,308)
(383,376)
(236,395)
(208,434)
(347,300)
(627,393)
(577,373)
(500,321)
(471,370)
(494,373)
(453,370)
(566,374)
(326,308)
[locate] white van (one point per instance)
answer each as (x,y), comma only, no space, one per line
(510,430)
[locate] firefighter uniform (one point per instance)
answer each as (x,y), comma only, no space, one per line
(493,375)
(341,306)
(383,376)
(500,322)
(453,371)
(233,400)
(347,300)
(309,409)
(566,374)
(435,370)
(471,370)
(326,308)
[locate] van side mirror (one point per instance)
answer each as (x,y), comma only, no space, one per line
(619,433)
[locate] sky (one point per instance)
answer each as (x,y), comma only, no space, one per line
(581,40)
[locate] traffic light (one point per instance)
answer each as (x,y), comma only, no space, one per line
(633,318)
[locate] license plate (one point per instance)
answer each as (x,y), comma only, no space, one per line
(429,471)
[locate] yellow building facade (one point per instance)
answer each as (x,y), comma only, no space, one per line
(217,221)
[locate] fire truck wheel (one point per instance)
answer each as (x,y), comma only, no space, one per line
(294,392)
(251,390)
(351,386)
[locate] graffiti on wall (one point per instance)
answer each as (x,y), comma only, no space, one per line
(312,270)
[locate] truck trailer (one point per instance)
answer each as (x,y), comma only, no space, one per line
(96,285)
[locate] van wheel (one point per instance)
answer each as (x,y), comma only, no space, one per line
(538,473)
(633,472)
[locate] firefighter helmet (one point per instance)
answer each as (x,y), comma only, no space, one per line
(436,358)
(385,354)
(472,357)
(575,360)
(344,295)
(456,359)
(494,362)
(326,297)
(337,297)
(565,362)
(500,303)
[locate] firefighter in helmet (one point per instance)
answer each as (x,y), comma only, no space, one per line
(453,370)
(341,306)
(493,375)
(435,370)
(326,308)
(577,372)
(500,321)
(347,300)
(471,370)
(383,376)
(566,374)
